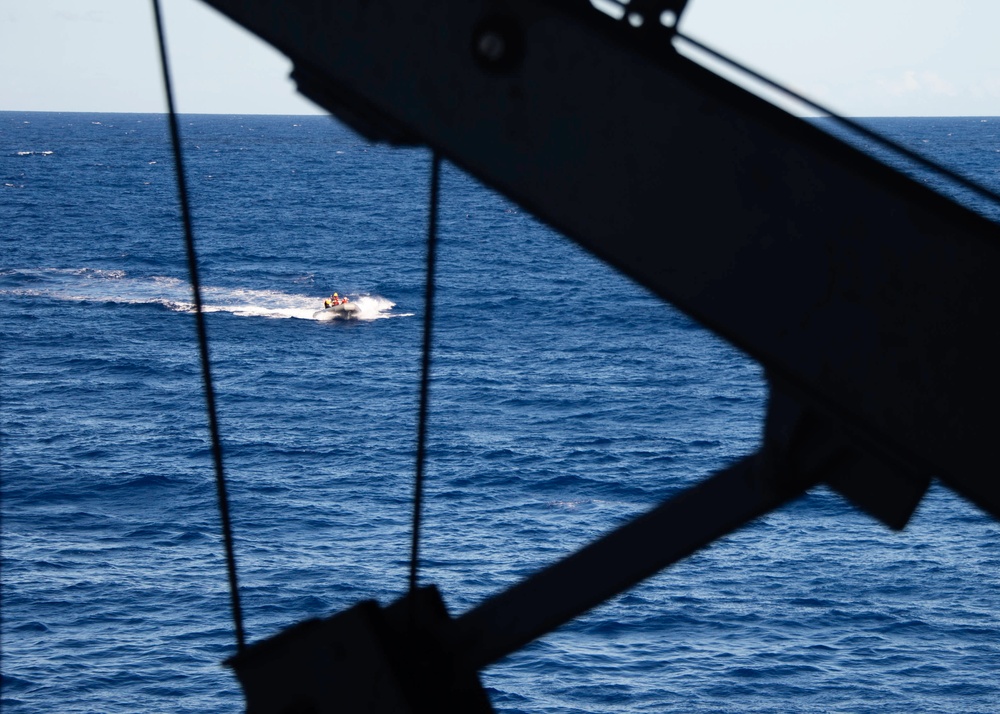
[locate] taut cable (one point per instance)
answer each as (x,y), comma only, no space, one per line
(418,491)
(851,124)
(206,371)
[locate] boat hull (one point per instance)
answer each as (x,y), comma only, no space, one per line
(342,312)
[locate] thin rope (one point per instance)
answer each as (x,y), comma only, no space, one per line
(192,260)
(850,124)
(425,374)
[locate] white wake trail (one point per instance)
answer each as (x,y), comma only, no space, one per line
(116,286)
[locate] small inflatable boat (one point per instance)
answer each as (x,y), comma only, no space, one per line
(344,310)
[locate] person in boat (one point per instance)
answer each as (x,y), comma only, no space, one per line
(332,300)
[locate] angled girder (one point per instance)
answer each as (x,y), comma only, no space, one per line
(867,292)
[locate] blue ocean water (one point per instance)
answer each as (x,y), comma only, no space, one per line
(564,400)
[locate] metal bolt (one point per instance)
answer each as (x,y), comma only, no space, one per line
(498,44)
(491,46)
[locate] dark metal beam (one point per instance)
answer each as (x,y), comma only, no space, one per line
(800,449)
(866,291)
(611,565)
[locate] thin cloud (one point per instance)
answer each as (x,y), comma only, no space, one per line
(912,81)
(988,87)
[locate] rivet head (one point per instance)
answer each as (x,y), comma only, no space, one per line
(491,47)
(498,44)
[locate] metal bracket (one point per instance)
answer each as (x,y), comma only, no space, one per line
(366,659)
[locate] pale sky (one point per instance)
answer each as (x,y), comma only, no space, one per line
(860,57)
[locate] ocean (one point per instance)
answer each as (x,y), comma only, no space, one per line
(564,400)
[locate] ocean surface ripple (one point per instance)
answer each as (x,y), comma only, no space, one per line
(565,400)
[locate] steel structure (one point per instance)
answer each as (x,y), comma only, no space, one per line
(864,294)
